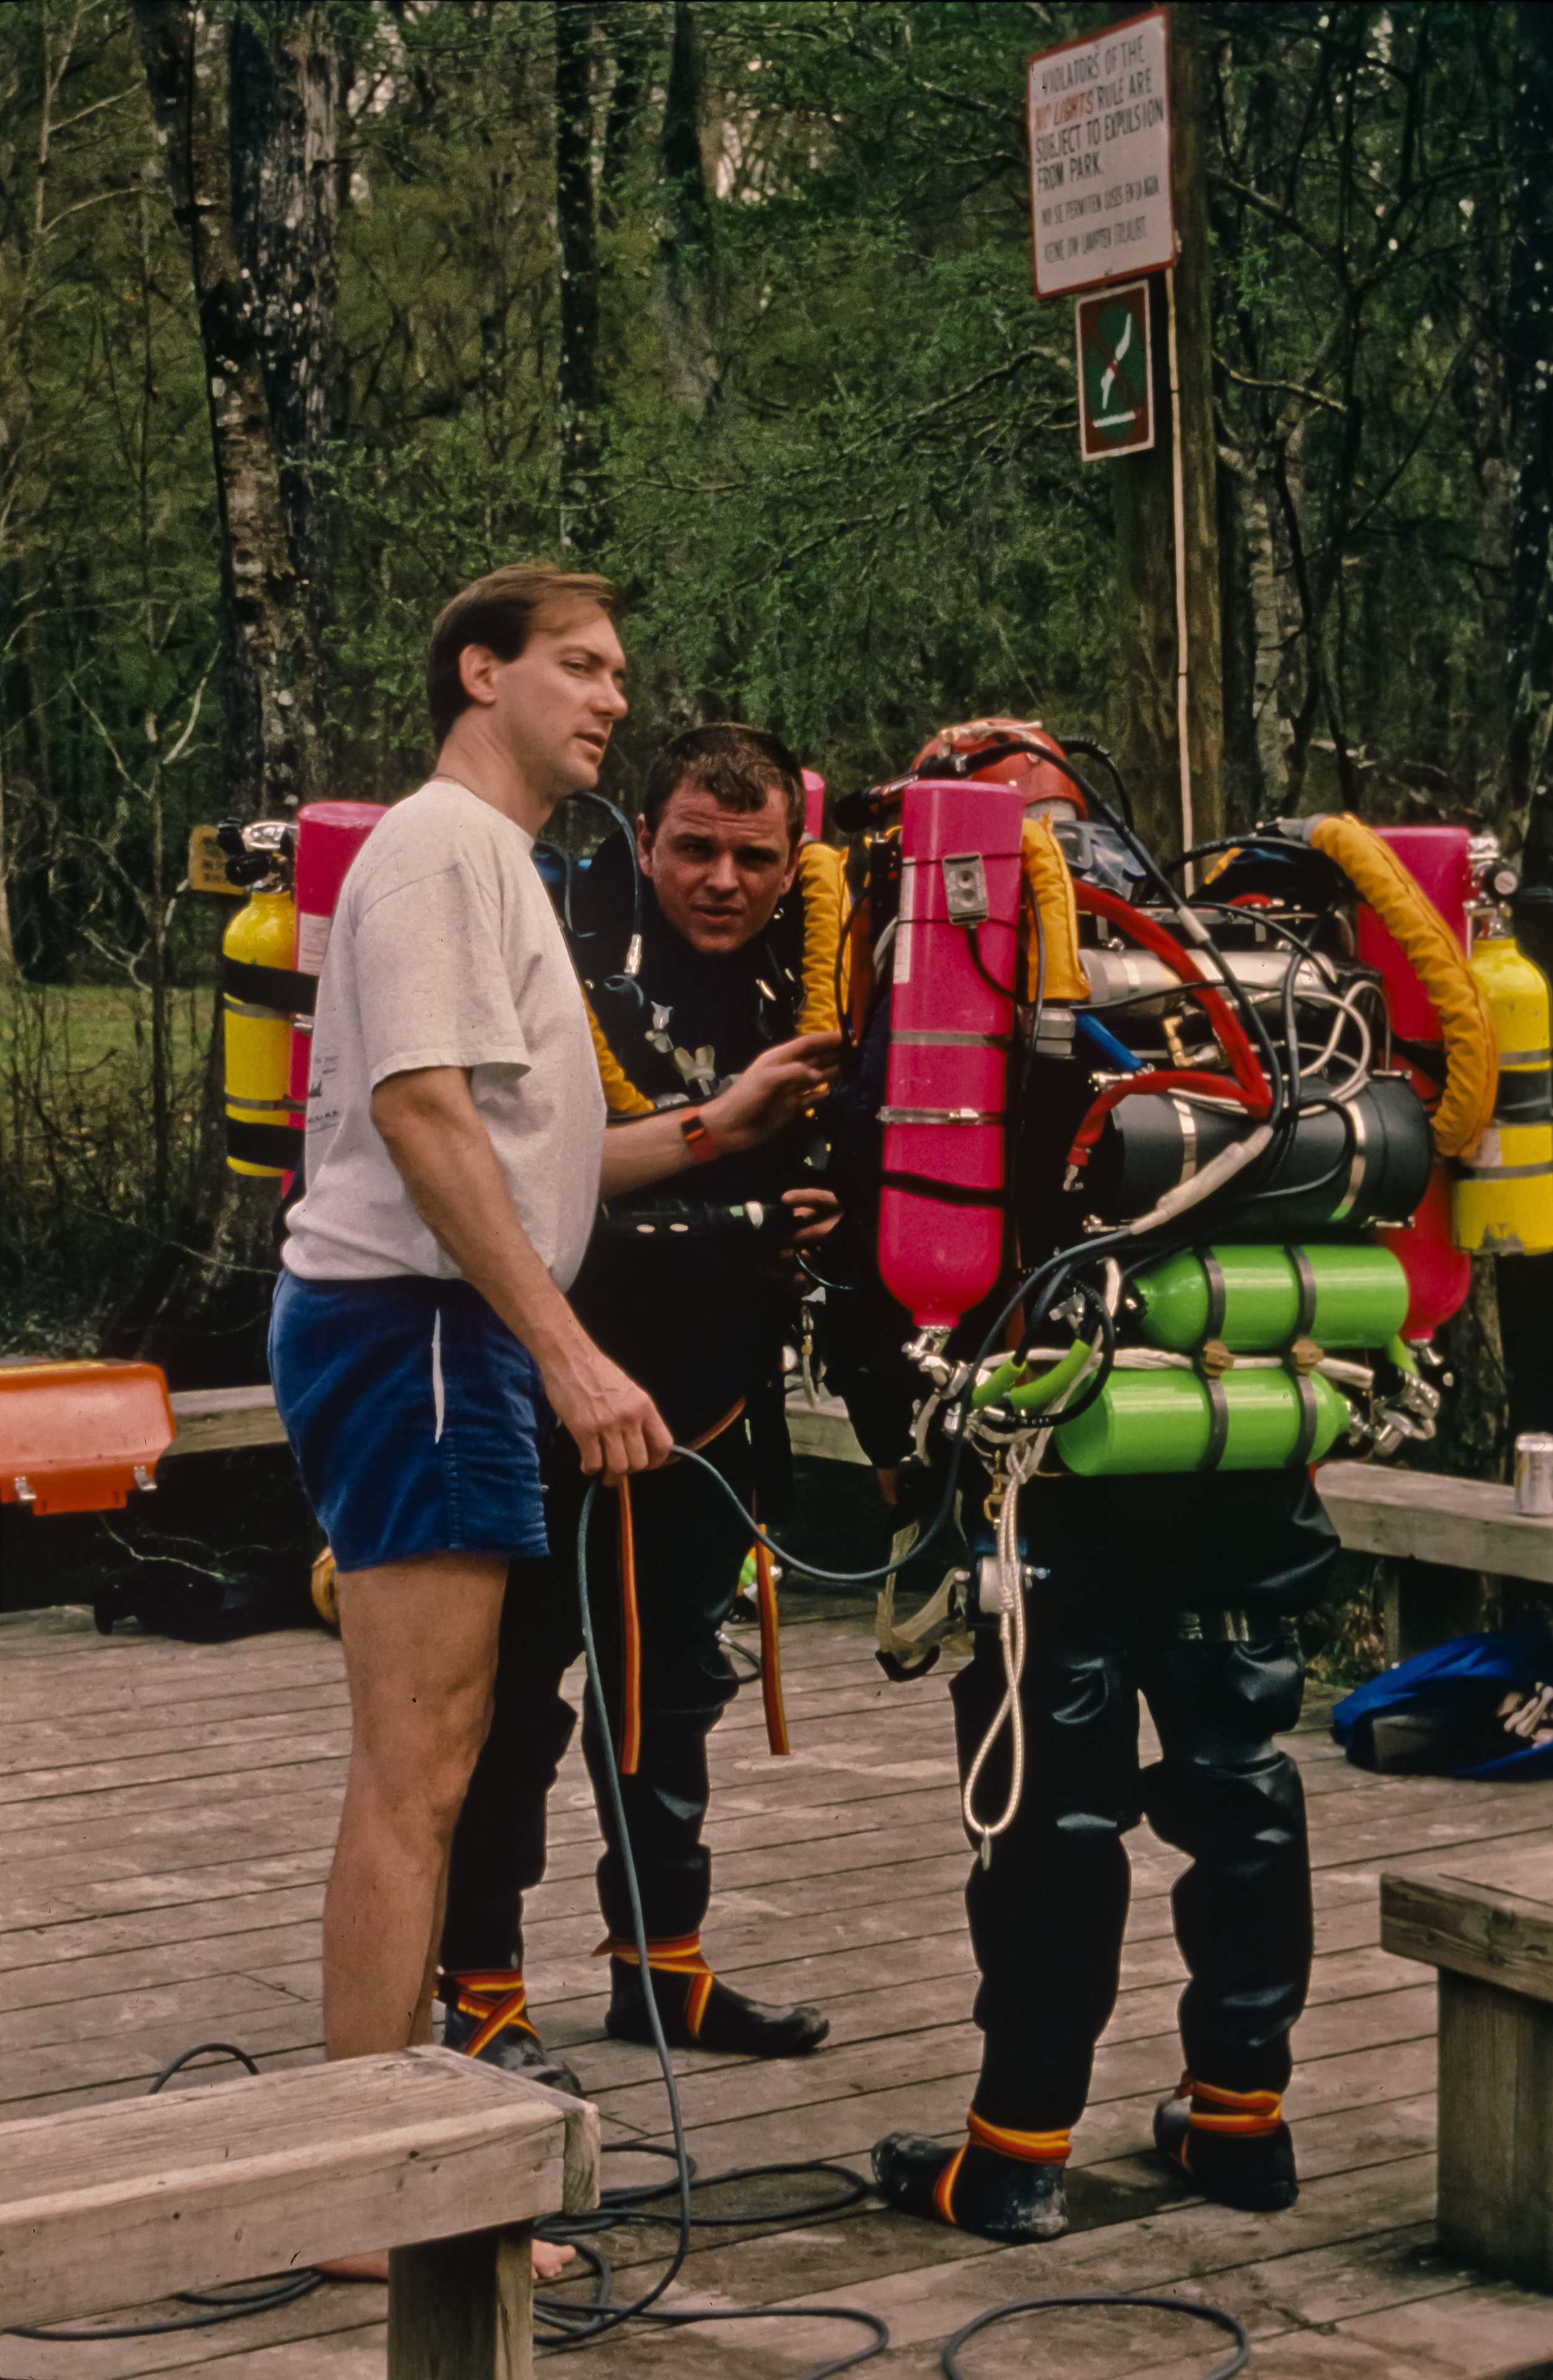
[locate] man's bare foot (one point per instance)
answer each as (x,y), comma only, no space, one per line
(550,2263)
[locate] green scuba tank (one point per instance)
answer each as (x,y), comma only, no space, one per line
(1262,1420)
(1257,1300)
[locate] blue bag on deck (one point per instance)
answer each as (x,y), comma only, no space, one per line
(1448,1698)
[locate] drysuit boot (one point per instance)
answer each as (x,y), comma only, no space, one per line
(1233,2145)
(487,2017)
(1006,2185)
(697,2012)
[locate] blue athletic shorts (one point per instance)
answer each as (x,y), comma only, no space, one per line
(416,1417)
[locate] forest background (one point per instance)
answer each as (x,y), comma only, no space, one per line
(312,309)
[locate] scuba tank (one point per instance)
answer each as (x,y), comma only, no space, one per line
(257,1034)
(940,1231)
(1504,1189)
(329,835)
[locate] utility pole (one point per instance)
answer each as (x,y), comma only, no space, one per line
(1168,646)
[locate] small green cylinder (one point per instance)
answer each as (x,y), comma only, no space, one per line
(1361,1298)
(1163,1421)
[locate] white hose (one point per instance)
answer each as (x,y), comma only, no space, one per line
(1009,1572)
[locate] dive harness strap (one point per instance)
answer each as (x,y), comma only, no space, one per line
(631,1626)
(495,1996)
(1248,2115)
(1031,2148)
(268,988)
(943,1193)
(276,1145)
(678,1954)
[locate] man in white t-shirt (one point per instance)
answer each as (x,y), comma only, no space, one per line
(456,1151)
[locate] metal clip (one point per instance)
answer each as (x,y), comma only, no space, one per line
(965,888)
(143,1478)
(25,1495)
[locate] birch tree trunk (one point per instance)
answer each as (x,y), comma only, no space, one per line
(259,222)
(269,674)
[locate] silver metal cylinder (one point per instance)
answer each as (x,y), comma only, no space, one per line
(1533,1473)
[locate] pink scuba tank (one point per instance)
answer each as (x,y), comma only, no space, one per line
(1437,857)
(940,1228)
(329,835)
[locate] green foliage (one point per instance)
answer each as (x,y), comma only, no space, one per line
(836,461)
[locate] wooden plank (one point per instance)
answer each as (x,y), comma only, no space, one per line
(212,1420)
(215,2183)
(1496,2142)
(1470,1523)
(1500,1938)
(463,2309)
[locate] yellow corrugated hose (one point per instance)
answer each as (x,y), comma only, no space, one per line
(820,881)
(1472,1057)
(1051,889)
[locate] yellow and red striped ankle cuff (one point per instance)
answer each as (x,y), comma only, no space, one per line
(494,1997)
(1248,2115)
(1034,2148)
(675,1954)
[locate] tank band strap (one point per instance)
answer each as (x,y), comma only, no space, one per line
(1213,1273)
(276,1144)
(1305,1318)
(942,1193)
(280,989)
(1310,1421)
(1218,1422)
(1034,2148)
(1250,2114)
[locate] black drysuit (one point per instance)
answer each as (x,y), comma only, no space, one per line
(687,1308)
(1182,1590)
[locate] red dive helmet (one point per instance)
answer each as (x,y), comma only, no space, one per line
(1035,779)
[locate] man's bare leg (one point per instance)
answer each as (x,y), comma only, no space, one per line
(419,1642)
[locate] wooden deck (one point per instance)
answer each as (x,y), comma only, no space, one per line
(169,1811)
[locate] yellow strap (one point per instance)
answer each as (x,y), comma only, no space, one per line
(1034,2148)
(1472,1056)
(1050,888)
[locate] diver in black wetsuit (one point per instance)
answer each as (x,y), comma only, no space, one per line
(687,1287)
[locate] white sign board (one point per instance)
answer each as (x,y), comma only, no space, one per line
(1100,157)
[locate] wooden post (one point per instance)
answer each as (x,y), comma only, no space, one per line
(463,2309)
(1494,1952)
(1150,692)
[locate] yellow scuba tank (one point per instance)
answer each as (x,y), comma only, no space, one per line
(1504,1187)
(258,1037)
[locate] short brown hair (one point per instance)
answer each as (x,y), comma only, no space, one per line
(498,612)
(739,767)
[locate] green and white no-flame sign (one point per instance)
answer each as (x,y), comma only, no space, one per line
(1115,372)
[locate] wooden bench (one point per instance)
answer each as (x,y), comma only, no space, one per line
(445,2162)
(1494,1952)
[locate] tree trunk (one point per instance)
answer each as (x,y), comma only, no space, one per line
(284,78)
(1143,494)
(269,678)
(684,282)
(264,289)
(578,374)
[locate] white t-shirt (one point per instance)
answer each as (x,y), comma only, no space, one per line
(445,951)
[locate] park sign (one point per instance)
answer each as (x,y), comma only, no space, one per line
(1100,157)
(1115,372)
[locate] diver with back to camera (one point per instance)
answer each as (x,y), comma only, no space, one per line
(1135,1484)
(723,949)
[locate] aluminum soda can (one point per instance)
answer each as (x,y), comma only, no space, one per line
(1533,1473)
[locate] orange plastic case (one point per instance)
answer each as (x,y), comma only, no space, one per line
(79,1438)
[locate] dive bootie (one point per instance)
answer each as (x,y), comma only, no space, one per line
(1233,2145)
(695,2010)
(1005,2185)
(486,2017)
